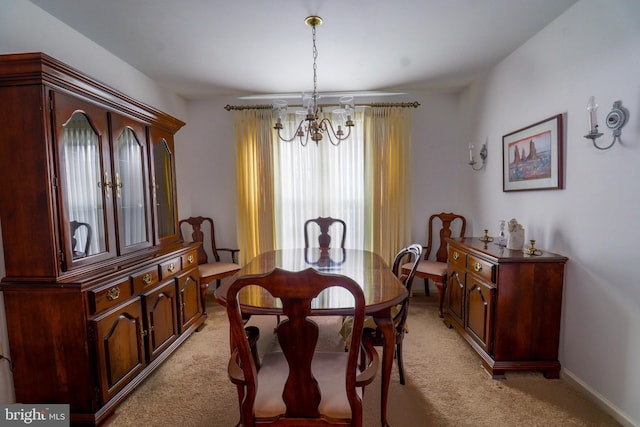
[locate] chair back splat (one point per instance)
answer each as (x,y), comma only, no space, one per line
(299,383)
(324,238)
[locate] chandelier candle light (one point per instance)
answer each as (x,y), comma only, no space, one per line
(311,126)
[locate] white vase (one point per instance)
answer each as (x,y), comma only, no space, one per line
(515,241)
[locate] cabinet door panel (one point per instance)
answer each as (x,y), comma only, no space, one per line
(131,180)
(189,298)
(119,347)
(161,314)
(480,311)
(85,181)
(455,293)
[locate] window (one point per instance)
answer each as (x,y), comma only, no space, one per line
(319,180)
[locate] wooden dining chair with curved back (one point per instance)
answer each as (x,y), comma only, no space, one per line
(409,255)
(296,384)
(436,269)
(209,270)
(324,238)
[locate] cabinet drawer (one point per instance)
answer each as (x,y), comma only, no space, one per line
(108,296)
(189,260)
(457,257)
(169,268)
(484,269)
(146,278)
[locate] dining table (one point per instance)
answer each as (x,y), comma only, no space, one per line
(382,291)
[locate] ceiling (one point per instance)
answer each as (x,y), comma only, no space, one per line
(203,48)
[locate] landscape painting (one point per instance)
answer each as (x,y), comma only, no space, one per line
(532,157)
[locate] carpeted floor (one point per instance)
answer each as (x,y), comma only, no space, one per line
(445,384)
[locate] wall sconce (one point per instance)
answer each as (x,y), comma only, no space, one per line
(615,120)
(483,157)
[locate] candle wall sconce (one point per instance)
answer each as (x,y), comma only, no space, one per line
(483,157)
(615,120)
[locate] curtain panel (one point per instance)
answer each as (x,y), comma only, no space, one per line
(387,182)
(255,207)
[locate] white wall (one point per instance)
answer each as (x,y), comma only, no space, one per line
(592,49)
(26,28)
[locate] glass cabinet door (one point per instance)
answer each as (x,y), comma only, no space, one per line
(163,186)
(84,180)
(131,184)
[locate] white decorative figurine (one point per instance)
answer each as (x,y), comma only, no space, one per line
(516,235)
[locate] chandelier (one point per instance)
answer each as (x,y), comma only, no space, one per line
(310,126)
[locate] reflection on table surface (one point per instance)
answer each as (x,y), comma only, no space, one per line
(380,286)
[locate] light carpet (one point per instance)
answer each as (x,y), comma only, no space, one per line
(445,384)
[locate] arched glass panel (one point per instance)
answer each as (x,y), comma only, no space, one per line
(129,181)
(83,187)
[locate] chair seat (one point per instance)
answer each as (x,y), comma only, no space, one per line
(328,368)
(432,268)
(212,269)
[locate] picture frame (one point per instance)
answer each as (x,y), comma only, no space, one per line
(532,157)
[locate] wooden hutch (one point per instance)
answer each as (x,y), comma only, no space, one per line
(99,288)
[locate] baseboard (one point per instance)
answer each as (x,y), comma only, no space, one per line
(596,398)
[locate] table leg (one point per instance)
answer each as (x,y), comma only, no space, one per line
(385,324)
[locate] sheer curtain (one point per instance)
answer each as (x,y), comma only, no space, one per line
(365,181)
(388,183)
(83,192)
(319,180)
(255,208)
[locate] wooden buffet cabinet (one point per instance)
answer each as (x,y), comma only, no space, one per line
(506,304)
(99,287)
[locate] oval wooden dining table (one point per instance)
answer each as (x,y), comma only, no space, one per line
(382,290)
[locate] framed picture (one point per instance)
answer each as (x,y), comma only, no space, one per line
(532,157)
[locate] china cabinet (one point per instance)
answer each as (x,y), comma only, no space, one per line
(99,288)
(506,304)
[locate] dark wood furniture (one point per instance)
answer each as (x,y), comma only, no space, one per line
(324,238)
(382,291)
(411,253)
(506,304)
(437,270)
(216,269)
(298,384)
(86,326)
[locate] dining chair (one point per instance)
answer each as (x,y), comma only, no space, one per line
(209,270)
(296,384)
(436,270)
(409,255)
(320,226)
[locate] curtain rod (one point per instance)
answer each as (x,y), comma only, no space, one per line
(414,104)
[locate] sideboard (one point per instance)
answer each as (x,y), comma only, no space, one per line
(506,304)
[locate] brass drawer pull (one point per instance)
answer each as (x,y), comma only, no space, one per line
(113,294)
(456,256)
(147,278)
(171,268)
(477,267)
(190,259)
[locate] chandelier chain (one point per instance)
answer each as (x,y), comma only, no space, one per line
(315,70)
